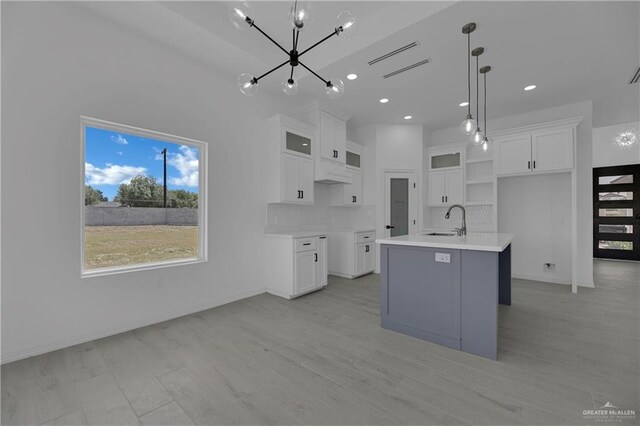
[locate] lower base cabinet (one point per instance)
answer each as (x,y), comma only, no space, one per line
(296,263)
(352,252)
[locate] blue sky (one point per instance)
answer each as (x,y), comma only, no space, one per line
(112,158)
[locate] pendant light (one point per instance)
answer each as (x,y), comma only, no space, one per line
(485,139)
(469,124)
(477,136)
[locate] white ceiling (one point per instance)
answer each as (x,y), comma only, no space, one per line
(573,51)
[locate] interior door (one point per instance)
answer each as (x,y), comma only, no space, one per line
(513,155)
(616,212)
(401,208)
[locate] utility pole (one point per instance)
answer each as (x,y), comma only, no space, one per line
(164,180)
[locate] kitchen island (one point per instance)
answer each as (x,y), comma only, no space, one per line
(446,288)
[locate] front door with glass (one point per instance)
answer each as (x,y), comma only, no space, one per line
(616,212)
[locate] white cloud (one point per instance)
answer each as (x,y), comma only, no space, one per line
(120,153)
(119,139)
(113,174)
(186,162)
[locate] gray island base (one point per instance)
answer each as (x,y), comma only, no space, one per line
(447,296)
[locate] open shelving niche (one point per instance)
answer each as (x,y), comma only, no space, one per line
(480,192)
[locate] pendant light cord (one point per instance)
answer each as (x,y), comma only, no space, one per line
(468,74)
(485,104)
(477,92)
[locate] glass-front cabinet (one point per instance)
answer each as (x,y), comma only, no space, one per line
(297,143)
(445,160)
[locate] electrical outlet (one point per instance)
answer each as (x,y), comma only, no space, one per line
(443,257)
(549,267)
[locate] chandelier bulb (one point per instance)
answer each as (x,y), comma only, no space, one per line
(290,86)
(240,14)
(335,88)
(248,84)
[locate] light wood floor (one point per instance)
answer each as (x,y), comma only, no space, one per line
(323,359)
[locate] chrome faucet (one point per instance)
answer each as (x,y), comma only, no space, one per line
(463,230)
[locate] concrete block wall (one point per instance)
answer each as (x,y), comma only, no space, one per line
(132,216)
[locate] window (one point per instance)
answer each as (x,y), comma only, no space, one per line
(143,199)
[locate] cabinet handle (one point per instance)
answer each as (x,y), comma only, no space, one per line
(529,165)
(534,164)
(443,198)
(366,248)
(302,192)
(353,198)
(316,256)
(366,237)
(446,198)
(306,244)
(337,154)
(298,194)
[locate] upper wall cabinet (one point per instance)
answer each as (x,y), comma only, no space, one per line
(349,194)
(331,148)
(538,151)
(289,160)
(442,160)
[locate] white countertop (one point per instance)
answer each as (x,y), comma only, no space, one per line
(296,234)
(354,230)
(481,241)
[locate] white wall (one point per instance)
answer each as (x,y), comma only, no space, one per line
(58,63)
(583,175)
(605,153)
(537,209)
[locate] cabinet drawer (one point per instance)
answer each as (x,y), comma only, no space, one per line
(305,244)
(365,237)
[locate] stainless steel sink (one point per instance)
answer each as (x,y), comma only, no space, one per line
(442,234)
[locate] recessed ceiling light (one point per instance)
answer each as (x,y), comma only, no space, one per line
(305,144)
(462,104)
(352,76)
(384,100)
(408,117)
(531,87)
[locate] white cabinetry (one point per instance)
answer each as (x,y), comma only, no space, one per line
(351,252)
(349,194)
(290,161)
(330,149)
(446,188)
(296,263)
(546,150)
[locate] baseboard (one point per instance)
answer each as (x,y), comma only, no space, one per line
(277,293)
(65,343)
(543,278)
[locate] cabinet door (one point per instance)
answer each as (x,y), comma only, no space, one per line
(305,180)
(513,156)
(321,263)
(454,187)
(340,139)
(436,188)
(356,188)
(360,258)
(552,150)
(290,178)
(369,257)
(305,271)
(326,136)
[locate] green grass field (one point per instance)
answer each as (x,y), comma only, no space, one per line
(107,246)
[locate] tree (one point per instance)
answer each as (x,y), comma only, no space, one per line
(182,199)
(93,196)
(145,191)
(142,191)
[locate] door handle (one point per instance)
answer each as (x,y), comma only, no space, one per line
(316,254)
(389,227)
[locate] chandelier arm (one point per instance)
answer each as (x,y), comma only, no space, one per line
(276,68)
(295,44)
(291,76)
(267,36)
(313,72)
(321,41)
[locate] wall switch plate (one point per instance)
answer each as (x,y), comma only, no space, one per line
(549,267)
(443,257)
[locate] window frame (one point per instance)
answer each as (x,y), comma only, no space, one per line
(202,196)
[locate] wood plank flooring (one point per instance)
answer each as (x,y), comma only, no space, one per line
(323,359)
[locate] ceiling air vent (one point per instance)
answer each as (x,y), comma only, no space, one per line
(636,76)
(394,52)
(407,68)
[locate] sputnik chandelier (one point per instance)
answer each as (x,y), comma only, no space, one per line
(300,16)
(470,126)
